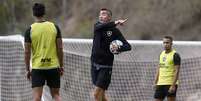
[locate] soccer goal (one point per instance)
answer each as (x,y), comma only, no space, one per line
(132,77)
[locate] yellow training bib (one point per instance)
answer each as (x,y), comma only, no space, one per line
(43,42)
(167,69)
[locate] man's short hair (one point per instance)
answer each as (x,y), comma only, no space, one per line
(109,11)
(38,10)
(169,37)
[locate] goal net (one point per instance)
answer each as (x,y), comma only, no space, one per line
(132,77)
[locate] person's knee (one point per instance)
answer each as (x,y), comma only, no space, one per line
(37,93)
(57,97)
(96,94)
(55,94)
(37,98)
(171,98)
(105,98)
(158,100)
(99,93)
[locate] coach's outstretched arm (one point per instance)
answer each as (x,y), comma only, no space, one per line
(126,46)
(102,26)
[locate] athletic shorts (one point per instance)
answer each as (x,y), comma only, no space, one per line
(50,76)
(162,91)
(101,75)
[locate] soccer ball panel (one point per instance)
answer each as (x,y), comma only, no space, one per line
(117,43)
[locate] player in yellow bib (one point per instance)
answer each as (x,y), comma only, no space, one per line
(166,80)
(43,46)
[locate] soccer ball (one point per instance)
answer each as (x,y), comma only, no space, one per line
(114,43)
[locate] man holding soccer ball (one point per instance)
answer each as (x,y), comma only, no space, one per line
(103,50)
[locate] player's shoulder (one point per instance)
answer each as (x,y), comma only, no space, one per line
(176,55)
(43,22)
(49,22)
(53,24)
(162,52)
(97,23)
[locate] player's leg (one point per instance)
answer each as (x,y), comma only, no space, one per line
(53,81)
(38,81)
(158,99)
(103,81)
(104,97)
(37,93)
(159,93)
(55,94)
(94,75)
(172,96)
(98,94)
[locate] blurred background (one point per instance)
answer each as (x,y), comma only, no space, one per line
(147,19)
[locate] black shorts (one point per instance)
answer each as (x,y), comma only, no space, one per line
(101,77)
(162,91)
(50,76)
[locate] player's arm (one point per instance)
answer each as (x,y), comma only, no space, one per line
(27,41)
(126,46)
(27,55)
(59,47)
(60,51)
(156,76)
(177,62)
(102,26)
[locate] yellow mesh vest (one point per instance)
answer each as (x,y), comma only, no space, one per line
(167,69)
(43,42)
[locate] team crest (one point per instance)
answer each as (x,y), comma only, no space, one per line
(164,59)
(109,33)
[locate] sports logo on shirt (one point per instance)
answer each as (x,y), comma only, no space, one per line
(164,59)
(45,60)
(109,33)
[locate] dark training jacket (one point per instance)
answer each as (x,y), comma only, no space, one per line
(104,34)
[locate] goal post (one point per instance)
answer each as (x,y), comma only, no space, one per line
(132,76)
